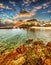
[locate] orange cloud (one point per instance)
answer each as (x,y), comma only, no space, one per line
(2,6)
(35,0)
(45,5)
(6,7)
(25,14)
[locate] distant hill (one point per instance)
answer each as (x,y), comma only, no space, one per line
(31,20)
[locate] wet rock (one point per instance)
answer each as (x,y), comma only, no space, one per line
(19,61)
(29,41)
(39,42)
(49,44)
(48,61)
(21,49)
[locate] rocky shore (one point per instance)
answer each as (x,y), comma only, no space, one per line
(32,53)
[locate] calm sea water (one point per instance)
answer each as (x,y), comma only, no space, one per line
(11,38)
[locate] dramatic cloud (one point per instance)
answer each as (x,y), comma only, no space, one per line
(28,13)
(49,11)
(38,7)
(26,1)
(6,7)
(12,2)
(4,14)
(25,14)
(6,20)
(25,9)
(29,1)
(2,6)
(46,5)
(35,0)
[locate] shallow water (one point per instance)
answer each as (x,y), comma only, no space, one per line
(11,38)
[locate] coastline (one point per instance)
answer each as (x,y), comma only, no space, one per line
(33,27)
(40,28)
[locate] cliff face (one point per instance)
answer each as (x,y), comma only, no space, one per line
(38,54)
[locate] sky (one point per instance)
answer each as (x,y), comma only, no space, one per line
(25,9)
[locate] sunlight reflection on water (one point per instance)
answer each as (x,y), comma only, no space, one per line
(20,34)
